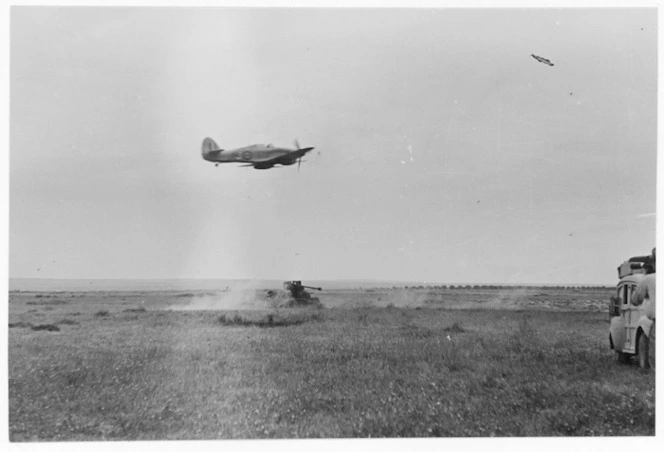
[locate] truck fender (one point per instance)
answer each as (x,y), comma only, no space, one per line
(617,333)
(644,326)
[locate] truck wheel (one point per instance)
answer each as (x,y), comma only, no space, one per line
(644,361)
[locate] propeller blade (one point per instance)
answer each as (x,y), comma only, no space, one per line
(297,145)
(299,161)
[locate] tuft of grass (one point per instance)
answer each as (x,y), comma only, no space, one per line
(67,322)
(455,328)
(134,310)
(42,327)
(102,313)
(45,327)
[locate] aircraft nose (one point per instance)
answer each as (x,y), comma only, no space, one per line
(306,149)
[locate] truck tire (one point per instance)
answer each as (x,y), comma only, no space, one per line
(644,352)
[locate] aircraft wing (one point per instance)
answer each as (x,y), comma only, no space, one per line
(542,60)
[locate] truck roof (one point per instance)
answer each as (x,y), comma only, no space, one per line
(634,265)
(634,278)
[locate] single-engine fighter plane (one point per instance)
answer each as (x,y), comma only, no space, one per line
(542,60)
(259,156)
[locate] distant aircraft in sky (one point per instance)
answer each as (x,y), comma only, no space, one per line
(259,156)
(542,60)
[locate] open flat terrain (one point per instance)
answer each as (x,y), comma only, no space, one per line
(130,365)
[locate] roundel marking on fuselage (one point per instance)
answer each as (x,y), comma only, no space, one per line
(247,155)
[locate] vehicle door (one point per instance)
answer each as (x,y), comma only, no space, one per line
(630,315)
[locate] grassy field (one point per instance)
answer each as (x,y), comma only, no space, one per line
(373,363)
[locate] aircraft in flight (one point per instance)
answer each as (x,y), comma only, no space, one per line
(259,156)
(542,60)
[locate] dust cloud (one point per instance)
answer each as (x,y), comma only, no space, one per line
(240,296)
(507,298)
(251,296)
(380,298)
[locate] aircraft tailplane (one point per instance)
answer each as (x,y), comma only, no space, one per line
(209,147)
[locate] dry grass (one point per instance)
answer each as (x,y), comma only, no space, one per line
(361,372)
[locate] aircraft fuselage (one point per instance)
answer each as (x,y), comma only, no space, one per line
(249,154)
(259,156)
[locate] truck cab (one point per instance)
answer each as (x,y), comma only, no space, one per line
(631,329)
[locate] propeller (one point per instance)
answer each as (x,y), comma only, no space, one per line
(299,160)
(304,151)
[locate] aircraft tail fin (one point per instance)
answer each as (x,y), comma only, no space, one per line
(209,147)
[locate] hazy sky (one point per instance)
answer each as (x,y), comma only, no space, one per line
(447,153)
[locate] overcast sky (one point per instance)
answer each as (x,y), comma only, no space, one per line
(444,151)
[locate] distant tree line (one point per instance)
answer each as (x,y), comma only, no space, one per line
(498,286)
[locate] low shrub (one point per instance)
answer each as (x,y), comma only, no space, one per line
(268,321)
(455,328)
(47,327)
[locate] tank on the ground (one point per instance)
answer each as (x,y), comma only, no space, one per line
(294,294)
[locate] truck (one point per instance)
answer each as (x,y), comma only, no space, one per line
(632,328)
